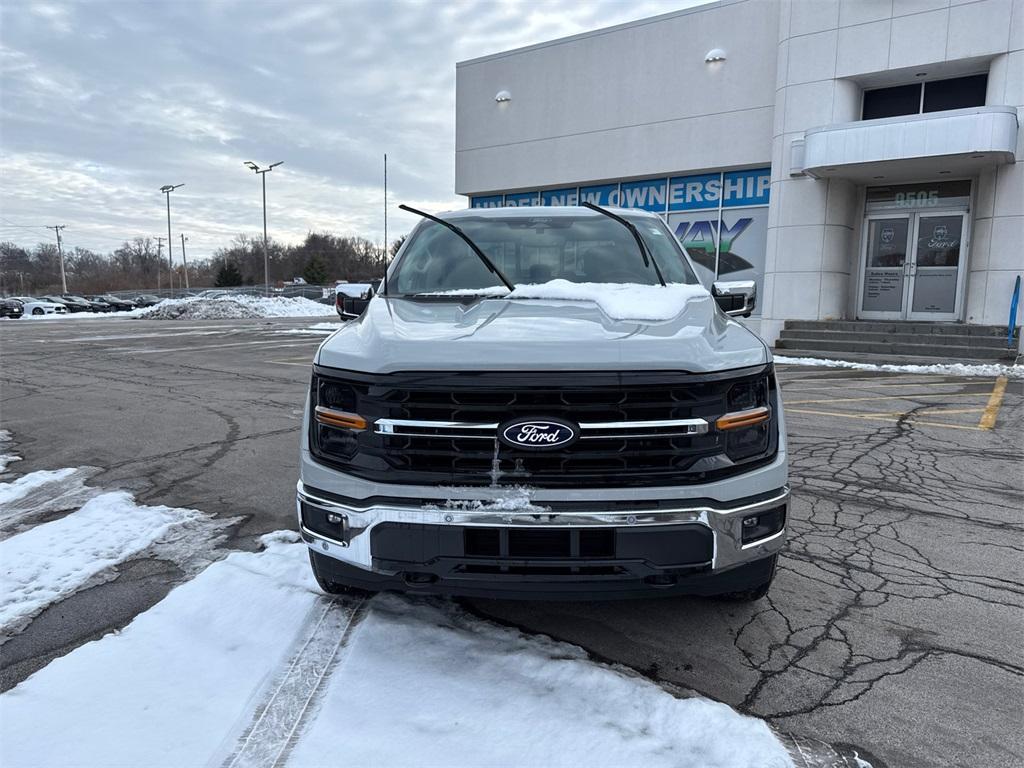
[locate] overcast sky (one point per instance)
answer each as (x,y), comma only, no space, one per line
(101,103)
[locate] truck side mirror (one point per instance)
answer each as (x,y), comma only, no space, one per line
(736,298)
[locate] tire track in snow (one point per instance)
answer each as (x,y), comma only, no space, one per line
(279,719)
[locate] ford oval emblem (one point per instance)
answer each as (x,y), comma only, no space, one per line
(538,434)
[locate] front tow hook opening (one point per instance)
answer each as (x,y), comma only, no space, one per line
(661,580)
(417,579)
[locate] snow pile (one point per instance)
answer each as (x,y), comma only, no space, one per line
(947,369)
(232,307)
(57,558)
(247,664)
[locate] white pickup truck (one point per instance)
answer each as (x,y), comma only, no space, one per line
(545,402)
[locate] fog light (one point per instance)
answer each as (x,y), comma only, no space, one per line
(334,518)
(763,525)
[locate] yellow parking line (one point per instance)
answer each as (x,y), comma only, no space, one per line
(881,417)
(885,397)
(988,418)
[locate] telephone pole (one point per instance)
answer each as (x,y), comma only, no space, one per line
(183,259)
(60,252)
(159,252)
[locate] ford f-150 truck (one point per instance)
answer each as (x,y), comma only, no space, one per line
(545,402)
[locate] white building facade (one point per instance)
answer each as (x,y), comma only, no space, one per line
(857,158)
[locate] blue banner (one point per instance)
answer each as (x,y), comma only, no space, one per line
(694,193)
(488,201)
(565,196)
(704,191)
(517,199)
(747,187)
(600,194)
(646,195)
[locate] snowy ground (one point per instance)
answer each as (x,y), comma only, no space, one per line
(987,370)
(248,664)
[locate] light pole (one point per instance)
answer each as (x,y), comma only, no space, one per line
(167,189)
(263,172)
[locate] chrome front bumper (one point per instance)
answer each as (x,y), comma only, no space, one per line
(353,543)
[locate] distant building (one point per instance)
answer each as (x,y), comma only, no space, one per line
(855,157)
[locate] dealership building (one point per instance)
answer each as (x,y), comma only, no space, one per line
(856,158)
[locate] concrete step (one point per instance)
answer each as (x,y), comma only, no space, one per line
(887,326)
(943,341)
(935,352)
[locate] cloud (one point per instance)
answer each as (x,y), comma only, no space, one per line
(146,94)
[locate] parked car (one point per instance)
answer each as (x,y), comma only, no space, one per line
(459,441)
(71,304)
(34,306)
(11,308)
(116,304)
(350,299)
(147,300)
(94,306)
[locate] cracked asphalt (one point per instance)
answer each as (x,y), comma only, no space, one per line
(894,624)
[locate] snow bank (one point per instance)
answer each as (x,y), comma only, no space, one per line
(52,560)
(220,308)
(946,369)
(231,307)
(415,683)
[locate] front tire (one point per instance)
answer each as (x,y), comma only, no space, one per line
(333,587)
(37,311)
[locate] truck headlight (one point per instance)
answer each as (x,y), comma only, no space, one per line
(748,424)
(335,425)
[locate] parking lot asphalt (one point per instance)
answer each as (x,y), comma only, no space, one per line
(894,623)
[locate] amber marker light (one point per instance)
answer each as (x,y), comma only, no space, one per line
(740,419)
(340,419)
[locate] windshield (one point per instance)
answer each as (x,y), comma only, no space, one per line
(531,249)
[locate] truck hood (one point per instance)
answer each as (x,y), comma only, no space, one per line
(536,334)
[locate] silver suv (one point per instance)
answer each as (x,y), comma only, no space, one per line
(545,402)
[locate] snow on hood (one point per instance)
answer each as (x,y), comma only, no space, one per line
(619,301)
(553,326)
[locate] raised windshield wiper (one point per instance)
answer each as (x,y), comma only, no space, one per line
(483,257)
(644,250)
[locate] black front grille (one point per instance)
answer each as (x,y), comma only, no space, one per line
(575,396)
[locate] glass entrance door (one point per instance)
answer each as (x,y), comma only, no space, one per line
(914,255)
(913,266)
(935,269)
(883,289)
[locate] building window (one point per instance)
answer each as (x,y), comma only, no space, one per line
(932,96)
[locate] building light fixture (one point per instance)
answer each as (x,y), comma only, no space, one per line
(715,54)
(502,96)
